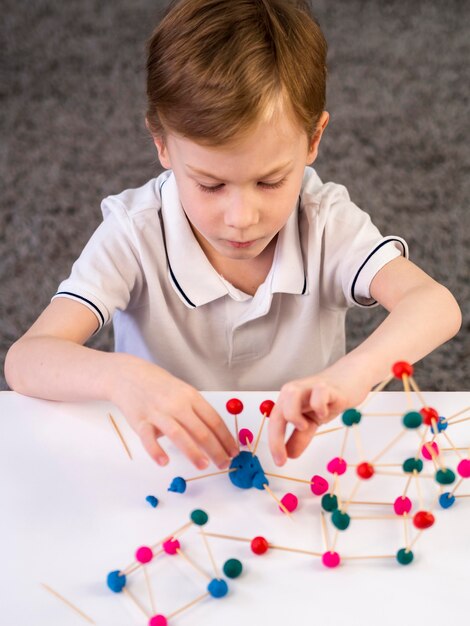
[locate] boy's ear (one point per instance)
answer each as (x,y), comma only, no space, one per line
(162,150)
(315,140)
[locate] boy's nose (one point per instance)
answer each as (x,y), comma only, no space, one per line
(241,213)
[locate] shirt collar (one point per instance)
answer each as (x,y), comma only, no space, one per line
(191,274)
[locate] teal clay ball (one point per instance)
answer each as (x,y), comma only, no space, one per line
(329,502)
(412,464)
(199,517)
(404,557)
(340,520)
(412,419)
(351,416)
(232,568)
(445,476)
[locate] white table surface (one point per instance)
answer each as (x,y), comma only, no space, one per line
(73,508)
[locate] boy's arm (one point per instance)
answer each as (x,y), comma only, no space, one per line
(49,362)
(423,315)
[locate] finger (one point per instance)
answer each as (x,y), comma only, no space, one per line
(320,399)
(276,434)
(291,402)
(170,427)
(298,441)
(148,435)
(216,425)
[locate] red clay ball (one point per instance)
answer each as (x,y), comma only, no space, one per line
(365,470)
(423,519)
(259,545)
(429,415)
(400,368)
(234,406)
(266,407)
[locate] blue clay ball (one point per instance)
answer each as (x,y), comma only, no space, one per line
(116,581)
(152,500)
(446,500)
(178,485)
(248,471)
(217,587)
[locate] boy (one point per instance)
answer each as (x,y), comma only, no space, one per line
(234,268)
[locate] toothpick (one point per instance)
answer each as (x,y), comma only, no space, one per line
(451,417)
(326,541)
(465,419)
(119,434)
(407,486)
(187,606)
(191,562)
(259,434)
(345,440)
(418,487)
(131,596)
(456,486)
(274,547)
(357,438)
(211,556)
(236,431)
(297,480)
(405,523)
(369,556)
(387,448)
(219,536)
(418,391)
(273,495)
(227,471)
(356,487)
(375,391)
(149,590)
(406,385)
(329,430)
(415,540)
(68,603)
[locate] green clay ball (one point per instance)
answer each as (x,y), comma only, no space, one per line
(351,416)
(404,557)
(232,568)
(340,520)
(410,465)
(329,502)
(412,419)
(199,517)
(445,477)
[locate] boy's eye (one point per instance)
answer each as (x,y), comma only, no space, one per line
(207,189)
(272,185)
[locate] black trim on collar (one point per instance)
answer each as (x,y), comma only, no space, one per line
(304,289)
(173,277)
(75,295)
(383,243)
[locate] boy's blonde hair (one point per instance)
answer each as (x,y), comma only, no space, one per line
(215,67)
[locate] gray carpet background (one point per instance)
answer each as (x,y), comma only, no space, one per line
(72,104)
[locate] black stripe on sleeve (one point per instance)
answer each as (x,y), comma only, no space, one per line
(382,243)
(75,295)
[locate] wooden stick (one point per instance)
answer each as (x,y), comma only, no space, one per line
(135,601)
(415,540)
(345,441)
(236,431)
(68,603)
(405,522)
(273,495)
(326,540)
(259,434)
(451,417)
(149,589)
(297,480)
(375,391)
(356,487)
(465,419)
(382,414)
(273,547)
(193,564)
(177,532)
(329,430)
(407,486)
(418,487)
(119,434)
(187,606)
(374,517)
(406,385)
(211,556)
(456,486)
(227,471)
(376,503)
(387,448)
(418,391)
(369,556)
(219,536)
(358,440)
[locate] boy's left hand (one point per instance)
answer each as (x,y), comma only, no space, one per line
(307,403)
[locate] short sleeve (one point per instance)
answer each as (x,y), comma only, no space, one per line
(353,250)
(108,271)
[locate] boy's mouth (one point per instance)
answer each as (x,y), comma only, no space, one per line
(240,244)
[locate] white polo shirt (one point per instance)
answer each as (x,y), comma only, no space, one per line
(144,269)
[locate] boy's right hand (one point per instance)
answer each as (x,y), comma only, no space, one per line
(155,403)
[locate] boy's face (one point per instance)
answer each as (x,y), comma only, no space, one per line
(238,196)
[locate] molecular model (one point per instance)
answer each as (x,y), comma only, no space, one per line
(337,515)
(171,546)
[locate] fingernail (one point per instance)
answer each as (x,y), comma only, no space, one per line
(234,452)
(278,459)
(224,464)
(162,460)
(203,463)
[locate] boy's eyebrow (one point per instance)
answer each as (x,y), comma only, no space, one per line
(266,175)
